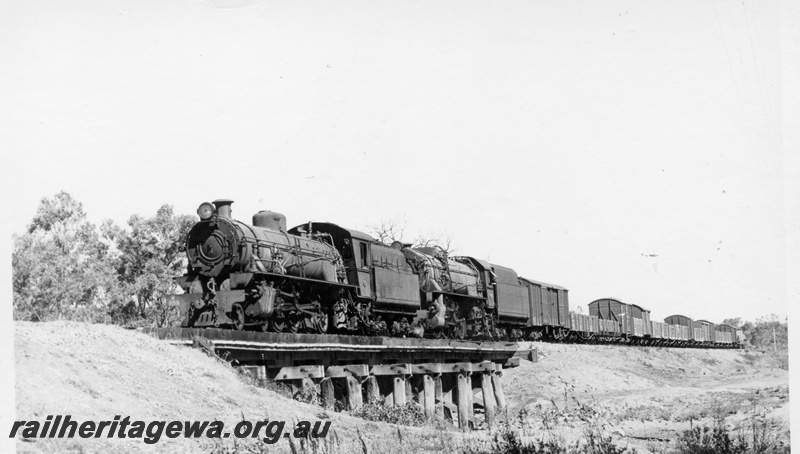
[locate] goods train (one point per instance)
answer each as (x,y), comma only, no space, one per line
(322,278)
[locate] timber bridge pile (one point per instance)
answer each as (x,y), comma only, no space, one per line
(450,380)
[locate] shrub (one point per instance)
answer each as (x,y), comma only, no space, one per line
(307,395)
(309,445)
(596,437)
(708,440)
(377,410)
(710,361)
(755,437)
(508,440)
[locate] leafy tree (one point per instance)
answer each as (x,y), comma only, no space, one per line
(734,322)
(64,269)
(768,333)
(60,265)
(61,210)
(148,256)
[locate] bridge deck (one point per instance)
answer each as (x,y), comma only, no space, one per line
(283,349)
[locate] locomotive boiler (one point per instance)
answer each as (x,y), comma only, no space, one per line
(259,275)
(454,292)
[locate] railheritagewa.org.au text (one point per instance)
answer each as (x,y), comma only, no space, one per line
(63,426)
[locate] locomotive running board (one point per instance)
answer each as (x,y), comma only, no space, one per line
(305,279)
(459,295)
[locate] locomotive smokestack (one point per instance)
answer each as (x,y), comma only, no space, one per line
(223,207)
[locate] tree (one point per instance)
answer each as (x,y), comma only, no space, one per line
(734,322)
(60,265)
(768,332)
(148,257)
(64,269)
(61,210)
(391,230)
(441,240)
(388,231)
(765,333)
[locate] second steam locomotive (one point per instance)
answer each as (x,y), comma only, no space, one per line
(323,278)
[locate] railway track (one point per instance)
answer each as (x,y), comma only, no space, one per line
(285,350)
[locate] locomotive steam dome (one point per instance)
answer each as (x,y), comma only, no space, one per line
(270,220)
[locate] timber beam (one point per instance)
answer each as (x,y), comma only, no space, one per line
(447,379)
(444,391)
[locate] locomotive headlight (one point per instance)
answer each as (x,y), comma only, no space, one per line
(205,211)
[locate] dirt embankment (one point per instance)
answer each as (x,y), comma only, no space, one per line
(640,395)
(94,372)
(645,396)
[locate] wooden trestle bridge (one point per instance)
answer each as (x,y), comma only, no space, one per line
(448,379)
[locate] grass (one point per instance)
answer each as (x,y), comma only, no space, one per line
(506,439)
(550,423)
(755,436)
(542,429)
(768,358)
(427,435)
(328,445)
(406,415)
(509,439)
(710,361)
(645,413)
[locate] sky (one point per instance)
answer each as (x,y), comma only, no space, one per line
(634,149)
(619,148)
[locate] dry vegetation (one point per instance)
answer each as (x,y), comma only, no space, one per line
(650,397)
(577,399)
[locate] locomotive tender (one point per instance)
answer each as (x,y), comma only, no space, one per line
(322,278)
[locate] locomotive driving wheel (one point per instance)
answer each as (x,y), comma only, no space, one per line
(277,324)
(460,330)
(237,317)
(295,326)
(321,323)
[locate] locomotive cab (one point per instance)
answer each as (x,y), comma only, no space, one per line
(384,280)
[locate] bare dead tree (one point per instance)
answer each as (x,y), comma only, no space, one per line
(389,230)
(442,240)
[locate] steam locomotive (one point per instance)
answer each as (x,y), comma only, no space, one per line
(322,278)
